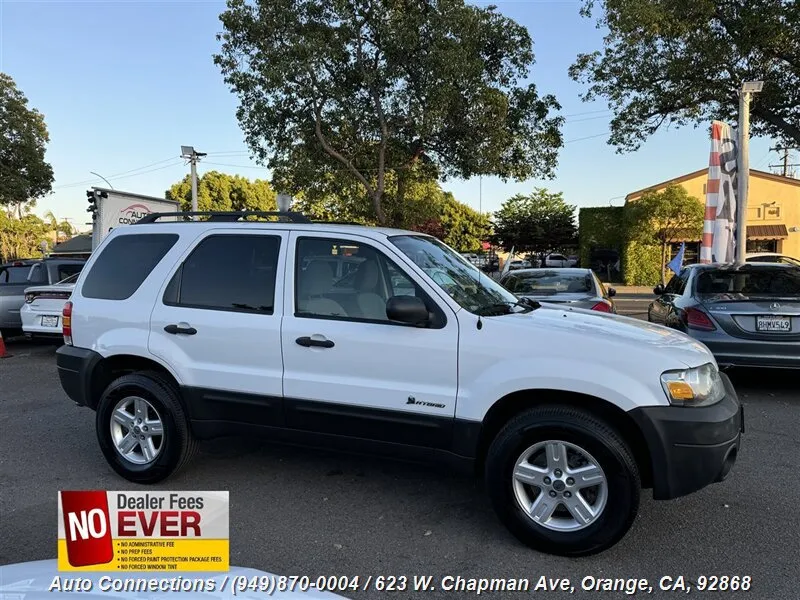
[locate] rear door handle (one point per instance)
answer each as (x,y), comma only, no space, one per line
(175,329)
(307,342)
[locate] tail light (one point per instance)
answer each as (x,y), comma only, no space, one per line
(29,298)
(66,323)
(602,307)
(697,319)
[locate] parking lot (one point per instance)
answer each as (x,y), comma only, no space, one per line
(299,511)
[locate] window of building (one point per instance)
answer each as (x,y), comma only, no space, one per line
(228,272)
(762,246)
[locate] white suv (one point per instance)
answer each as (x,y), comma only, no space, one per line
(180,331)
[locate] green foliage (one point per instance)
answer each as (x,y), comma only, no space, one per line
(425,208)
(640,264)
(362,89)
(541,222)
(219,191)
(676,62)
(599,227)
(661,218)
(24,173)
(463,227)
(22,237)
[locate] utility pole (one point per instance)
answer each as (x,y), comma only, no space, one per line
(745,95)
(189,153)
(785,165)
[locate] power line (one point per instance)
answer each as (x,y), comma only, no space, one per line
(588,137)
(83,183)
(117,175)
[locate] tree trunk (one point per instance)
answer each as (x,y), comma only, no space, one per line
(663,263)
(377,205)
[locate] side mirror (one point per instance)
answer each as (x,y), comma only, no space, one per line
(612,292)
(658,290)
(407,309)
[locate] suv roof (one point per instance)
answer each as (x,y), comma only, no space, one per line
(241,219)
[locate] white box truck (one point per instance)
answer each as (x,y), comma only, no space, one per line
(114,208)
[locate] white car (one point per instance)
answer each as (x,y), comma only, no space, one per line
(41,313)
(559,261)
(567,414)
(772,257)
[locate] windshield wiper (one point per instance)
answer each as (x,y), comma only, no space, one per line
(491,309)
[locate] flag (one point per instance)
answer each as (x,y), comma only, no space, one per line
(676,264)
(507,265)
(719,222)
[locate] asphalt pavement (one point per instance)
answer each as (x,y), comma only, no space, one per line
(299,511)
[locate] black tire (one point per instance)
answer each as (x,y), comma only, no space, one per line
(589,433)
(178,444)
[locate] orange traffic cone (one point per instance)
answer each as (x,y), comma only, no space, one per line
(3,353)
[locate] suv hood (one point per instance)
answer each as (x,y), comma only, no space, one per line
(606,337)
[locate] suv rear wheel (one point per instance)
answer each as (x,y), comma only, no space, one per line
(563,481)
(142,429)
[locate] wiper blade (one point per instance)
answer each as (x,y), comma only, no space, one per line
(490,309)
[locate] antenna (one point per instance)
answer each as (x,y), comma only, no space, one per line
(480,210)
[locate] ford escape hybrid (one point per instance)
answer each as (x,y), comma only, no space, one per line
(389,342)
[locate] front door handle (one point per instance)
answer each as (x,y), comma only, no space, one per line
(307,342)
(175,329)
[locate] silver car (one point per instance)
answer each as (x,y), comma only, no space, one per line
(579,288)
(747,315)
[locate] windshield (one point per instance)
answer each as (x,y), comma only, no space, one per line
(71,279)
(553,282)
(462,281)
(769,282)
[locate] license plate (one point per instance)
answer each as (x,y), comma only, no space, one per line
(49,321)
(768,323)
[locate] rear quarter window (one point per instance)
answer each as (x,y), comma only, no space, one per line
(124,264)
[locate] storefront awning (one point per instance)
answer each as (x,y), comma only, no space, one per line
(767,232)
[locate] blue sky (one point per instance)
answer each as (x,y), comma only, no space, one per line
(123,84)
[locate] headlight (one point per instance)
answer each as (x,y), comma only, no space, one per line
(700,386)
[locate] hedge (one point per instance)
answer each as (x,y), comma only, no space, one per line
(599,227)
(641,264)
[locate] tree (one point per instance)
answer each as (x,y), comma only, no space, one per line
(541,222)
(372,87)
(22,236)
(24,173)
(426,208)
(220,191)
(463,228)
(662,218)
(677,62)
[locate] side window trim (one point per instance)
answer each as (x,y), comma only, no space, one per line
(176,276)
(440,318)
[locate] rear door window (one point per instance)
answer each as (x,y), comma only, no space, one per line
(228,272)
(125,263)
(14,274)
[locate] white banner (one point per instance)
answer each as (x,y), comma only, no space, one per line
(719,224)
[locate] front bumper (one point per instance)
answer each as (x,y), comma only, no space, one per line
(691,448)
(75,367)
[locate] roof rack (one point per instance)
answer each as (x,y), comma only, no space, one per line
(225,217)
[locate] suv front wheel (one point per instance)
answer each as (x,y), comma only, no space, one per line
(142,429)
(563,481)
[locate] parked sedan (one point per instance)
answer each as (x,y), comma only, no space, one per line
(747,315)
(41,313)
(579,288)
(17,276)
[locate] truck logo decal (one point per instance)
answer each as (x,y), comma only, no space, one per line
(133,213)
(412,400)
